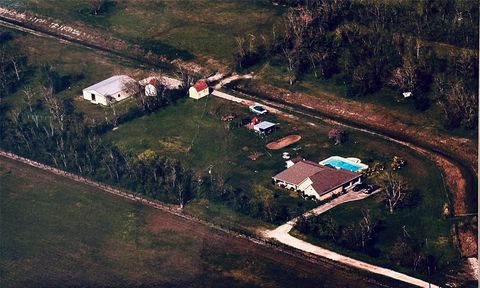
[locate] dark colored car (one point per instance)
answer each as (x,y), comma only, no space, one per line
(358,187)
(369,189)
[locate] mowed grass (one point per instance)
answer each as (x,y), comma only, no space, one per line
(56,232)
(87,66)
(185,29)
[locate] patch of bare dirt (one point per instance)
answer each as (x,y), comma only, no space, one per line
(284,142)
(456,184)
(468,243)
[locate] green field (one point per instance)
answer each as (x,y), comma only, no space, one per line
(201,29)
(56,232)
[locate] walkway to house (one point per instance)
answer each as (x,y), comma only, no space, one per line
(281,234)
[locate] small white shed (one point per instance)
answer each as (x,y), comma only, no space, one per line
(113,86)
(199,90)
(264,127)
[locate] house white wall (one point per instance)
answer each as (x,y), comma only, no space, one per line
(311,192)
(100,98)
(193,93)
(305,184)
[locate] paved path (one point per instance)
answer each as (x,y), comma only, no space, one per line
(281,233)
(246,102)
(229,79)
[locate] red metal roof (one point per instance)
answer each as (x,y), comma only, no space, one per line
(154,82)
(199,86)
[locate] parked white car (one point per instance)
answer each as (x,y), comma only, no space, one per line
(257,109)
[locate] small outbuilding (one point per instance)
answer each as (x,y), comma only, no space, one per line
(151,87)
(407,94)
(264,127)
(113,88)
(199,90)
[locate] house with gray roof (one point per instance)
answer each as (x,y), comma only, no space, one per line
(316,180)
(109,90)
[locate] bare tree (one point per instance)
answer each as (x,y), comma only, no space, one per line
(394,189)
(97,6)
(367,226)
(405,77)
(56,108)
(187,78)
(113,112)
(28,96)
(292,64)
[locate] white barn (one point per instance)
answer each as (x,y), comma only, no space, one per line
(113,86)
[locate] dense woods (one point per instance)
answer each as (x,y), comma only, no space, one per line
(367,46)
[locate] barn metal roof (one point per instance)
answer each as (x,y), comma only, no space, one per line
(264,125)
(111,85)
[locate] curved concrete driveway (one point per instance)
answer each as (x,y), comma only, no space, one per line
(281,234)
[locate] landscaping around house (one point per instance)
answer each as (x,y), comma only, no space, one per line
(194,131)
(422,217)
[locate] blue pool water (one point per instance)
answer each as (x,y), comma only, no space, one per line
(337,163)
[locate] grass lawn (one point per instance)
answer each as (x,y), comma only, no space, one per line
(171,131)
(56,232)
(187,29)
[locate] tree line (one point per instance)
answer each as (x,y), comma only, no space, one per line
(367,46)
(362,236)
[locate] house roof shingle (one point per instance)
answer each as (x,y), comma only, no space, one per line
(299,172)
(330,178)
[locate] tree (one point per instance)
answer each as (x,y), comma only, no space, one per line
(113,112)
(97,6)
(367,226)
(338,134)
(405,77)
(187,78)
(394,189)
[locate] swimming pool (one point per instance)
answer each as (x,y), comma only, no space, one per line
(342,163)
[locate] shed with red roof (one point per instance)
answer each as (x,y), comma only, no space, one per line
(199,90)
